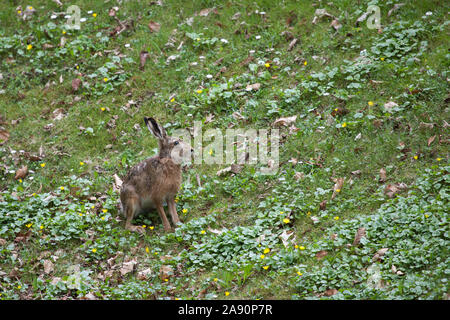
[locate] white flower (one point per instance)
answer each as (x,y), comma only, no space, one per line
(209,76)
(257,37)
(90,11)
(252,51)
(202,57)
(127,45)
(428,13)
(224,41)
(53,16)
(262,13)
(82,19)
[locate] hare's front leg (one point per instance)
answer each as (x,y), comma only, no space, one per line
(173,211)
(163,217)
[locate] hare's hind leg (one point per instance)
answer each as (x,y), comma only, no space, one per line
(130,208)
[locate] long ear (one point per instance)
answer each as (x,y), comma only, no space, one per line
(154,127)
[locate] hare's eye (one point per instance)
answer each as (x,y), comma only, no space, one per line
(175,143)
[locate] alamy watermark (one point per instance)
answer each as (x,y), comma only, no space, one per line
(237,146)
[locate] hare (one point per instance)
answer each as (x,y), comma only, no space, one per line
(154,181)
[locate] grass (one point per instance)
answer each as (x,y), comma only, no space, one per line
(337,83)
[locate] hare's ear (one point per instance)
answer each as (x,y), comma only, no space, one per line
(154,127)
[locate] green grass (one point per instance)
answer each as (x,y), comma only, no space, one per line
(228,220)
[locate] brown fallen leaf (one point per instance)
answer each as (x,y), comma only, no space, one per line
(48,266)
(321,254)
(76,84)
(205,12)
(395,8)
(323,205)
(380,253)
(383,177)
(165,272)
(330,292)
(431,139)
(128,267)
(21,173)
(392,189)
(4,136)
(359,234)
(285,121)
(143,57)
(154,26)
(339,182)
(388,106)
(254,86)
(292,44)
(336,24)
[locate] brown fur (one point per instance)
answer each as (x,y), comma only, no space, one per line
(152,182)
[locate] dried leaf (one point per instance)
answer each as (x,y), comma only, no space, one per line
(395,8)
(392,189)
(21,173)
(388,106)
(165,272)
(380,253)
(383,177)
(292,44)
(254,86)
(336,24)
(359,234)
(431,139)
(128,267)
(285,121)
(330,292)
(321,254)
(339,182)
(285,235)
(154,26)
(76,84)
(143,57)
(48,266)
(4,136)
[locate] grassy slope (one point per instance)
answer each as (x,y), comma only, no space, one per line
(324,147)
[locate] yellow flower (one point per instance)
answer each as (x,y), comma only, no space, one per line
(19,11)
(177,199)
(202,232)
(215,279)
(338,190)
(103,218)
(104,210)
(29,47)
(302,248)
(156,253)
(143,226)
(336,218)
(227,293)
(266,267)
(427,215)
(41,227)
(64,32)
(81,163)
(147,249)
(80,214)
(382,58)
(30,8)
(105,79)
(281,212)
(267,65)
(94,15)
(151,227)
(78,67)
(199,91)
(266,250)
(416,157)
(370,103)
(166,279)
(19,287)
(103,108)
(308,213)
(438,159)
(43,164)
(20,180)
(210,152)
(336,109)
(286,220)
(305,63)
(29,225)
(62,188)
(262,256)
(296,246)
(299,273)
(344,124)
(172,100)
(185,210)
(34,194)
(94,250)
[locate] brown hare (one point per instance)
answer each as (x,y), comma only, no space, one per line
(154,181)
